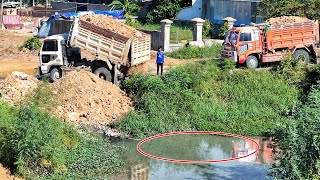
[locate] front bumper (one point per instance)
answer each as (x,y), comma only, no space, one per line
(43,70)
(232,55)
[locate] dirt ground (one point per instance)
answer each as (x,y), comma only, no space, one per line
(11,59)
(6,175)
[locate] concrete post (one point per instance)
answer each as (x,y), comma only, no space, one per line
(230,21)
(165,34)
(197,30)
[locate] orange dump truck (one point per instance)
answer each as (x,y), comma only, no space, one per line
(266,43)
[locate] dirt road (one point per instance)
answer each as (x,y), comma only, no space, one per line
(11,59)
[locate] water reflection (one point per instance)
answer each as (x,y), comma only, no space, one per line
(201,147)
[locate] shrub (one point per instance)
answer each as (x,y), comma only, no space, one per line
(299,142)
(222,30)
(203,97)
(32,43)
(207,29)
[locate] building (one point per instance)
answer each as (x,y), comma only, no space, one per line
(215,10)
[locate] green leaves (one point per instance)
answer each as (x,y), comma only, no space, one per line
(32,44)
(275,8)
(299,141)
(163,9)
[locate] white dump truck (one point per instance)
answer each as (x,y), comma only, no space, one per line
(114,52)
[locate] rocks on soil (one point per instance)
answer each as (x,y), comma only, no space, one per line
(111,24)
(286,20)
(16,86)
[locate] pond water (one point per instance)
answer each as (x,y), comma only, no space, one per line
(196,147)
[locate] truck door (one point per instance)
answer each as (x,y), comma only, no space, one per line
(50,54)
(245,44)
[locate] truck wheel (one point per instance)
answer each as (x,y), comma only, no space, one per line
(301,56)
(252,62)
(55,74)
(103,73)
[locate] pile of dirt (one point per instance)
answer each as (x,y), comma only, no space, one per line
(109,23)
(16,86)
(6,175)
(85,99)
(286,20)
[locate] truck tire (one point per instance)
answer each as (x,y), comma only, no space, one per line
(55,74)
(301,54)
(252,62)
(103,73)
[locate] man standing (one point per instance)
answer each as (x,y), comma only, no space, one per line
(160,59)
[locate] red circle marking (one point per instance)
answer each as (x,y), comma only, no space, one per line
(195,132)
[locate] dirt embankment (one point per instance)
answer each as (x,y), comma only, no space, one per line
(14,88)
(81,97)
(286,20)
(6,175)
(111,24)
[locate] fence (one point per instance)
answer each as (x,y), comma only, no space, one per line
(156,40)
(180,36)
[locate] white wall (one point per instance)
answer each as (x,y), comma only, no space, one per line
(192,12)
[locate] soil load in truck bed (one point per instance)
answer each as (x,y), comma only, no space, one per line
(287,20)
(111,24)
(111,40)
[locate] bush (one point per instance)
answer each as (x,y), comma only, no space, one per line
(203,97)
(223,30)
(189,52)
(299,142)
(32,43)
(207,29)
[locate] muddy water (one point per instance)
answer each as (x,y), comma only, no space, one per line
(196,147)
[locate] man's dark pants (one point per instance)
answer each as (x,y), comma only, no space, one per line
(161,65)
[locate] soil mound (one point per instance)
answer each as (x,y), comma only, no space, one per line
(287,20)
(16,86)
(111,24)
(85,99)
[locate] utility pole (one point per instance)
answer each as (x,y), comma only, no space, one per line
(46,7)
(1,15)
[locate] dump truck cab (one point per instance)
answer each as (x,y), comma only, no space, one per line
(51,53)
(243,45)
(55,55)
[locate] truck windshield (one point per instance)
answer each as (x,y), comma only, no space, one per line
(50,45)
(231,37)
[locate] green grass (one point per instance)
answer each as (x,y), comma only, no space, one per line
(177,33)
(189,52)
(204,97)
(33,144)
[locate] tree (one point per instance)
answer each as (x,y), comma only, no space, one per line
(163,9)
(275,8)
(131,8)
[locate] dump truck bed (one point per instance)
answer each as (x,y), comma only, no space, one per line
(294,35)
(108,45)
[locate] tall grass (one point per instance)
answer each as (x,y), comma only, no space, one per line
(189,52)
(205,97)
